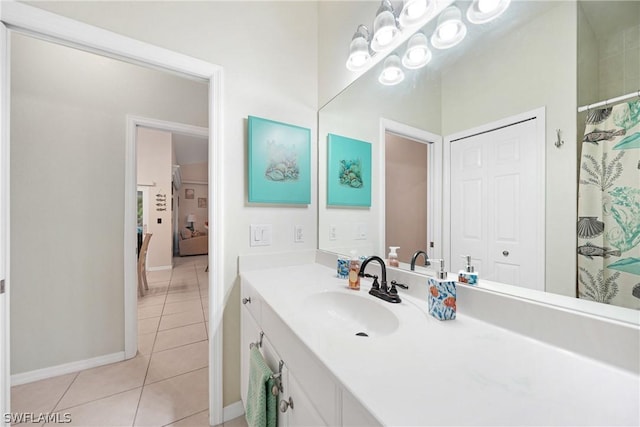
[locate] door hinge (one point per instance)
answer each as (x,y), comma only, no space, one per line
(2,286)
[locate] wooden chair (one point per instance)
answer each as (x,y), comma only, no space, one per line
(142,265)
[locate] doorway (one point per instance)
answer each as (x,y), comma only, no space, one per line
(22,18)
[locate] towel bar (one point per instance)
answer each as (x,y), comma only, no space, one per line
(259,343)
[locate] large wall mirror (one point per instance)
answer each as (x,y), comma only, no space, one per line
(539,57)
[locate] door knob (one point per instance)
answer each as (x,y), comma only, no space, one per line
(285,404)
(505,253)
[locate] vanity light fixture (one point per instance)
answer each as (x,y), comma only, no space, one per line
(483,11)
(418,53)
(359,54)
(385,27)
(414,11)
(450,29)
(392,73)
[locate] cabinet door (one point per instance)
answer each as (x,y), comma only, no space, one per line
(250,332)
(303,413)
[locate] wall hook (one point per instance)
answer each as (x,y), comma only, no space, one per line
(559,142)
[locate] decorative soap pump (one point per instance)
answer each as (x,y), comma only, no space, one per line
(442,294)
(467,275)
(393,256)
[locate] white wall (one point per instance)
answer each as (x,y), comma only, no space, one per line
(269,54)
(154,153)
(68,127)
(535,66)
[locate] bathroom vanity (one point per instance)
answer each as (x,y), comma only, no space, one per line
(351,359)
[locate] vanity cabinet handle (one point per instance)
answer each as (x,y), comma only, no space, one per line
(246,300)
(285,404)
(505,253)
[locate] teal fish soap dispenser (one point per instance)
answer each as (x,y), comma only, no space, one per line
(442,295)
(468,276)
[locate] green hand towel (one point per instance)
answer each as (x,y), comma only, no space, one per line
(262,405)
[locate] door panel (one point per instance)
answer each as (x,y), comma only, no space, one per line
(492,188)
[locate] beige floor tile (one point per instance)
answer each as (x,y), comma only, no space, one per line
(241,421)
(183,287)
(150,311)
(177,361)
(174,399)
(150,300)
(201,419)
(145,342)
(176,337)
(105,381)
(40,396)
(171,321)
(159,276)
(183,295)
(159,288)
(180,307)
(117,410)
(148,326)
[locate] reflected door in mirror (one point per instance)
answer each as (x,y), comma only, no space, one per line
(492,191)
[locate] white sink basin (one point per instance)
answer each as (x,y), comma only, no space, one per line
(352,313)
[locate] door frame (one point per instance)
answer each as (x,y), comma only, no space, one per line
(434,192)
(54,28)
(130,218)
(539,114)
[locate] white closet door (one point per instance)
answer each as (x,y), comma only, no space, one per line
(493,187)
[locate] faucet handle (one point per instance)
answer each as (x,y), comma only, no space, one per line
(400,285)
(370,276)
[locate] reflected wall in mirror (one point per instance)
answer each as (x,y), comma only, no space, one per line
(553,54)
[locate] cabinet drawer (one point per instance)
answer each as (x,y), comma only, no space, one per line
(251,300)
(320,387)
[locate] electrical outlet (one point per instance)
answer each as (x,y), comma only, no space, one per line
(361,231)
(260,235)
(333,232)
(298,234)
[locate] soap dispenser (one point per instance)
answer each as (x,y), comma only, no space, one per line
(467,275)
(393,256)
(442,294)
(354,269)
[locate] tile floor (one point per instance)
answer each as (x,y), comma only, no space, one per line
(166,384)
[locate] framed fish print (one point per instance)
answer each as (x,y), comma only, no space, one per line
(348,172)
(279,162)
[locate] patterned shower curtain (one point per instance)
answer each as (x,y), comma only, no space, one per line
(609,207)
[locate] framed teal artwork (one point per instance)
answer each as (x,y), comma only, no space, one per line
(348,172)
(279,162)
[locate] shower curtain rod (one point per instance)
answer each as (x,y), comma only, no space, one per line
(609,101)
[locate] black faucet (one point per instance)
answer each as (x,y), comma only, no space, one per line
(381,290)
(415,257)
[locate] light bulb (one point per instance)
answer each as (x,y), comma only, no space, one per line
(416,9)
(447,31)
(359,59)
(384,36)
(417,55)
(391,74)
(486,6)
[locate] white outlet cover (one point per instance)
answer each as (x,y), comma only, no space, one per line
(333,232)
(298,234)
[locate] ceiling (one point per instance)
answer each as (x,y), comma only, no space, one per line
(190,149)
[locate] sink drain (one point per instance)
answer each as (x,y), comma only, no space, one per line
(362,334)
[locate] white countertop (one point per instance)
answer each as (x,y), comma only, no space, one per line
(459,372)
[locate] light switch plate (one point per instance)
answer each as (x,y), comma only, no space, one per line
(260,235)
(361,231)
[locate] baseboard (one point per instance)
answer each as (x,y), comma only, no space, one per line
(232,411)
(160,267)
(66,368)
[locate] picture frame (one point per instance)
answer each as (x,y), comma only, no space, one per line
(189,193)
(279,157)
(202,202)
(348,171)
